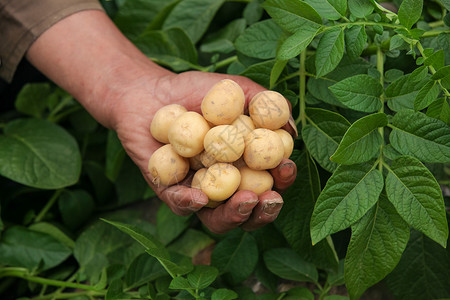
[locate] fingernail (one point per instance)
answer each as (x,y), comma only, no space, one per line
(246,207)
(272,207)
(286,170)
(293,125)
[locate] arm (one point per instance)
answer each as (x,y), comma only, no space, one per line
(122,89)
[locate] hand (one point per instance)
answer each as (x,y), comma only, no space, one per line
(133,116)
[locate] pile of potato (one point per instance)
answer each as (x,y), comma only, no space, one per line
(228,150)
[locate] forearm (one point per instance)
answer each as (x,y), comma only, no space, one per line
(89,57)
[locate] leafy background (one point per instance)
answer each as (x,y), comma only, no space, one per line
(366,217)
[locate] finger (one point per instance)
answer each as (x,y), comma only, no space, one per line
(284,175)
(183,200)
(267,210)
(231,214)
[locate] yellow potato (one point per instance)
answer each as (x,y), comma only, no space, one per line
(207,159)
(196,183)
(288,142)
(257,181)
(164,117)
(264,149)
(224,143)
(223,103)
(220,181)
(244,125)
(167,167)
(269,109)
(187,133)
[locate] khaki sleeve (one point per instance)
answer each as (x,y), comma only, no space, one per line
(22,21)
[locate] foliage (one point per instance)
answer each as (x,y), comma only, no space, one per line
(369,89)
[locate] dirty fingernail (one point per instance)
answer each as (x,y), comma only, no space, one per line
(272,207)
(246,207)
(286,170)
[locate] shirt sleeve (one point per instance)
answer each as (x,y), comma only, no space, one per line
(22,21)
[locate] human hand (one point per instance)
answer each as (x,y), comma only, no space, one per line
(133,117)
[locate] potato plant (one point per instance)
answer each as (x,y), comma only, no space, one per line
(367,217)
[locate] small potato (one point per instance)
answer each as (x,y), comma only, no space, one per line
(167,167)
(264,149)
(187,133)
(224,143)
(164,117)
(220,181)
(288,142)
(223,103)
(255,181)
(269,109)
(196,183)
(244,125)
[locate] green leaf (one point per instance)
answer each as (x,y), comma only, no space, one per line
(416,195)
(222,40)
(359,92)
(277,69)
(52,230)
(360,8)
(421,136)
(191,243)
(115,291)
(21,247)
(362,140)
(446,4)
(287,264)
(292,15)
(194,16)
(236,255)
(260,72)
(294,219)
(169,225)
(427,95)
(349,193)
(409,12)
(75,206)
(32,99)
(224,294)
(329,9)
(330,51)
(171,47)
(436,60)
(299,293)
(202,276)
(260,40)
(423,271)
(402,93)
(322,135)
(440,110)
(355,40)
(114,156)
(297,43)
(144,268)
(377,243)
(40,154)
(180,283)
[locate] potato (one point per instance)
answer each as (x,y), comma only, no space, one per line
(223,103)
(224,143)
(288,142)
(196,183)
(264,149)
(207,159)
(269,109)
(167,167)
(257,181)
(220,182)
(187,133)
(244,125)
(164,117)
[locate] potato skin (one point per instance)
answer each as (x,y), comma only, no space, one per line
(269,109)
(187,133)
(220,182)
(224,143)
(264,149)
(163,119)
(167,167)
(223,103)
(288,142)
(244,125)
(257,181)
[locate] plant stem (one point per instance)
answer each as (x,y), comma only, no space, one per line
(47,206)
(225,62)
(302,116)
(380,68)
